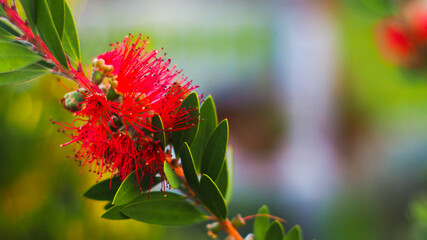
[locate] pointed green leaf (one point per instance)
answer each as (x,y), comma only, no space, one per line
(172,212)
(214,154)
(159,135)
(30,12)
(294,234)
(14,56)
(24,74)
(57,9)
(275,231)
(188,167)
(7,31)
(208,123)
(115,213)
(49,34)
(192,106)
(171,176)
(2,13)
(130,189)
(71,38)
(104,190)
(212,197)
(261,223)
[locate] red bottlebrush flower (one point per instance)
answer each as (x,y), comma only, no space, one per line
(415,13)
(113,135)
(395,41)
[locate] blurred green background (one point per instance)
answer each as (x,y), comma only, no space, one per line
(326,132)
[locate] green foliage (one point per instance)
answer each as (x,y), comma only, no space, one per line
(70,38)
(192,106)
(173,212)
(14,56)
(275,231)
(114,212)
(222,180)
(46,25)
(159,134)
(171,176)
(104,190)
(294,234)
(212,197)
(30,12)
(7,31)
(131,188)
(189,168)
(214,154)
(24,74)
(208,123)
(261,223)
(57,9)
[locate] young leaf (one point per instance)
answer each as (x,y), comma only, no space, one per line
(159,135)
(103,190)
(115,213)
(230,166)
(30,12)
(14,56)
(261,223)
(21,75)
(294,234)
(188,167)
(130,189)
(208,122)
(192,105)
(2,13)
(171,176)
(71,38)
(212,197)
(214,154)
(48,32)
(275,231)
(8,31)
(57,9)
(172,212)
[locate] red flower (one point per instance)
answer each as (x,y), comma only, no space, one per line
(112,134)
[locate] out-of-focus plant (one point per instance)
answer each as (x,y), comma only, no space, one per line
(418,215)
(137,119)
(402,38)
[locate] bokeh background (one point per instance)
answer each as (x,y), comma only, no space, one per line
(325,131)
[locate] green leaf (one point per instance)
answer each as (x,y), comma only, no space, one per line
(14,56)
(27,73)
(2,13)
(7,31)
(261,223)
(222,179)
(208,123)
(171,176)
(172,212)
(57,9)
(159,135)
(192,105)
(30,12)
(49,34)
(230,166)
(103,190)
(70,39)
(130,188)
(275,231)
(214,154)
(188,167)
(212,197)
(115,213)
(294,234)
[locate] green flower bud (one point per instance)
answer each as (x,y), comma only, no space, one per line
(111,94)
(73,99)
(97,77)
